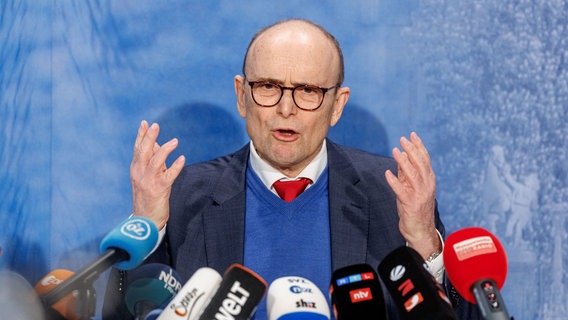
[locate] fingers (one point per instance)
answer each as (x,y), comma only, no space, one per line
(148,143)
(393,182)
(414,161)
(141,133)
(407,170)
(150,158)
(415,173)
(158,161)
(144,146)
(175,169)
(417,156)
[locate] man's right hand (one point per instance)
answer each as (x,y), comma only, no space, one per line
(150,177)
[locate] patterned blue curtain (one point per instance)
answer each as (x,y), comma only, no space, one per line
(484,82)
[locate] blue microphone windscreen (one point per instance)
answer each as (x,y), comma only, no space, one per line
(303,316)
(137,236)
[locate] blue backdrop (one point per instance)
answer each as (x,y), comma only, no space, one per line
(484,82)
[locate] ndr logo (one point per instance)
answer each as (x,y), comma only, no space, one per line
(298,289)
(137,229)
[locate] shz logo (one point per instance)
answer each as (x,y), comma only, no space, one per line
(137,229)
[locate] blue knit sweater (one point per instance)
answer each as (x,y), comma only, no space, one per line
(288,238)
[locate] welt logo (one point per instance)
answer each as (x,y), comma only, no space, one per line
(359,295)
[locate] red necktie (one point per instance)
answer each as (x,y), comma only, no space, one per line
(290,189)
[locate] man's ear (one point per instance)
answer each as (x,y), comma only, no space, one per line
(239,82)
(341,98)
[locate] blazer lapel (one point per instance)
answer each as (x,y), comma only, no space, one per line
(223,221)
(349,212)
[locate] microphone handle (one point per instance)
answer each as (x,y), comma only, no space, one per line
(85,277)
(52,314)
(489,300)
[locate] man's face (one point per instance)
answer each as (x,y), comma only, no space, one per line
(285,136)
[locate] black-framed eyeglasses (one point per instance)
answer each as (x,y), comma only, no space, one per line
(306,97)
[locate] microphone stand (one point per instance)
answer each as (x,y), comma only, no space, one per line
(86,300)
(82,282)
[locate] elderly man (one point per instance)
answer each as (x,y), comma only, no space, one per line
(356,207)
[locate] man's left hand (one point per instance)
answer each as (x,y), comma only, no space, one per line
(415,189)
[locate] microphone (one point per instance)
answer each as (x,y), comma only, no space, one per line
(414,290)
(148,287)
(17,297)
(357,294)
(154,314)
(67,306)
(126,246)
(476,265)
(292,298)
(193,296)
(238,295)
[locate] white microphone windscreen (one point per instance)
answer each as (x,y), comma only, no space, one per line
(193,296)
(296,298)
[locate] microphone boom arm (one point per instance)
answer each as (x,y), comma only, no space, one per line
(83,280)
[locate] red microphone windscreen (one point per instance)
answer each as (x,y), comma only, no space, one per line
(473,254)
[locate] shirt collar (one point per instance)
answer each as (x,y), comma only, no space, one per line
(268,175)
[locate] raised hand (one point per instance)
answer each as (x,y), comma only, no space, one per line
(150,177)
(415,189)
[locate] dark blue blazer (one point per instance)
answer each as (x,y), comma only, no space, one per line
(207,215)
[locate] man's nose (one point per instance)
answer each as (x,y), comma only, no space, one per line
(287,106)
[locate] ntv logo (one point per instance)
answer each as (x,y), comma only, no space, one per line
(136,229)
(362,294)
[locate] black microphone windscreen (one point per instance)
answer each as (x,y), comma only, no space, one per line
(414,290)
(238,295)
(149,286)
(356,294)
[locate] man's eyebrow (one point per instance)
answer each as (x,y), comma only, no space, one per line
(269,80)
(280,82)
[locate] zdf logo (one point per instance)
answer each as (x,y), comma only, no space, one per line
(298,289)
(137,229)
(51,280)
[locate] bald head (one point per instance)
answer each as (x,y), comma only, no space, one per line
(304,33)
